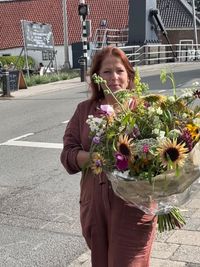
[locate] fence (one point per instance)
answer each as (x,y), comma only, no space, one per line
(158,53)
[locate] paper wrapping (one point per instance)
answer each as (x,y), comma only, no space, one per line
(166,189)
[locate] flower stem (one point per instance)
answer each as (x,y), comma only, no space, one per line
(98,80)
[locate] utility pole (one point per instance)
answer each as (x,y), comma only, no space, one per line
(65,34)
(83,11)
(194,23)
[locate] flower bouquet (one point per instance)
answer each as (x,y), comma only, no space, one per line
(148,145)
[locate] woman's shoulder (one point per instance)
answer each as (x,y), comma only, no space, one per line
(87,104)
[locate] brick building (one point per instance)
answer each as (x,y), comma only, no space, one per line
(176,15)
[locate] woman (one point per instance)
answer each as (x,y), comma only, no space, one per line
(118,235)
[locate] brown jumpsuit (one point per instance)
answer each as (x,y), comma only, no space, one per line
(117,234)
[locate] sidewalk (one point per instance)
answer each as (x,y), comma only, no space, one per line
(46,88)
(145,70)
(178,248)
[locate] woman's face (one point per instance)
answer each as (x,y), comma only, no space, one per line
(113,71)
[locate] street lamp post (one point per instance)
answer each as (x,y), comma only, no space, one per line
(65,32)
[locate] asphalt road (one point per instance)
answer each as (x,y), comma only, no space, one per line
(39,210)
(183,79)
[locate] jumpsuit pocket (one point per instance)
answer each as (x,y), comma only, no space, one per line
(86,220)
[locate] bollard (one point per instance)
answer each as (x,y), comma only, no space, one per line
(83,66)
(6,83)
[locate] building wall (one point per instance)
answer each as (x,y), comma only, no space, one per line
(37,55)
(176,35)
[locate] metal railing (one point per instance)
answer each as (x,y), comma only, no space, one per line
(105,36)
(160,53)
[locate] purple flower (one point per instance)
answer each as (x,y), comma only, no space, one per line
(121,162)
(98,163)
(107,109)
(96,140)
(136,131)
(197,93)
(187,138)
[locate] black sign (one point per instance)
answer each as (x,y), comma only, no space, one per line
(13,80)
(37,36)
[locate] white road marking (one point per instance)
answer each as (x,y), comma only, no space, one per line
(161,91)
(32,144)
(20,137)
(16,142)
(179,85)
(64,122)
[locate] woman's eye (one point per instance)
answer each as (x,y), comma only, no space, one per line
(106,71)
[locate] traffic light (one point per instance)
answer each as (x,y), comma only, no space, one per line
(83,10)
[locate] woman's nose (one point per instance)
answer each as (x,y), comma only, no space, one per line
(114,75)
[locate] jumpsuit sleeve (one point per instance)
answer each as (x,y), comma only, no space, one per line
(72,144)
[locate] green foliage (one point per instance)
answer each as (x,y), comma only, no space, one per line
(49,78)
(140,87)
(6,60)
(164,75)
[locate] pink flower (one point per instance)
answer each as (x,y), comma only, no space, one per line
(107,109)
(121,162)
(132,104)
(145,148)
(146,104)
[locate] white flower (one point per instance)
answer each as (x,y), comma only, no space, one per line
(197,122)
(187,93)
(98,120)
(156,119)
(156,131)
(173,134)
(96,125)
(159,111)
(151,110)
(161,134)
(171,99)
(184,115)
(195,83)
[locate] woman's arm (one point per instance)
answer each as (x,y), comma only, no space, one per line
(72,145)
(82,158)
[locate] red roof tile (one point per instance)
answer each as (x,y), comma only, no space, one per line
(43,11)
(50,12)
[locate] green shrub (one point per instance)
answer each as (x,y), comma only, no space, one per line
(6,60)
(48,78)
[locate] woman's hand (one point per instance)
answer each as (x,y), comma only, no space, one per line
(82,158)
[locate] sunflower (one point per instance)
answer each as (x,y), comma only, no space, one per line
(125,146)
(171,152)
(155,98)
(97,163)
(194,131)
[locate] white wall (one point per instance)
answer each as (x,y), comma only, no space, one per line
(37,55)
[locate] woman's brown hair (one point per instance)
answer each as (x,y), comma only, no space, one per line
(96,66)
